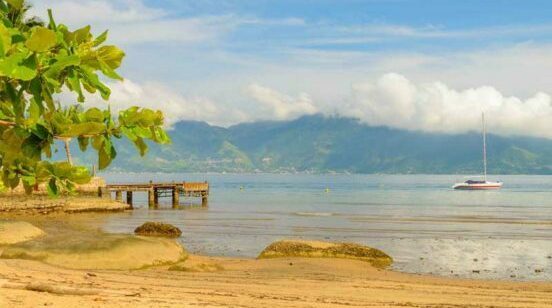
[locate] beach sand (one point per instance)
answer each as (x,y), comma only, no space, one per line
(287,282)
(73,264)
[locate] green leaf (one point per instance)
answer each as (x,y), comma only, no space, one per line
(93,80)
(141,145)
(104,159)
(83,143)
(79,129)
(31,148)
(42,39)
(17,66)
(5,39)
(80,175)
(82,35)
(108,71)
(128,132)
(17,4)
(13,181)
(28,180)
(97,142)
(61,63)
(41,131)
(52,188)
(106,154)
(112,56)
(94,115)
(75,86)
(36,90)
(52,23)
(100,39)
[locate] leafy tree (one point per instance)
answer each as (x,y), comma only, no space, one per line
(37,62)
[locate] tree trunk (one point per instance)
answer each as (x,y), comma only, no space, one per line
(67,151)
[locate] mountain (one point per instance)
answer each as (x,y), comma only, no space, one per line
(330,144)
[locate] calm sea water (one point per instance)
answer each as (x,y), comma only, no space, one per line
(418,219)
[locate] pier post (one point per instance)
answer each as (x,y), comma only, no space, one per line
(151,199)
(103,192)
(129,198)
(119,195)
(155,197)
(175,196)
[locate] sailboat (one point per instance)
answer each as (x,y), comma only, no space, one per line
(478,184)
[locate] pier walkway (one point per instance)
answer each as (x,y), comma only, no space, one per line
(158,190)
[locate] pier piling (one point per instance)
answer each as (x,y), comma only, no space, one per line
(119,195)
(155,197)
(151,198)
(129,197)
(158,190)
(175,197)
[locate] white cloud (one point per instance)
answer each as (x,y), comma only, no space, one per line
(280,106)
(175,106)
(397,102)
(131,21)
(390,31)
(97,11)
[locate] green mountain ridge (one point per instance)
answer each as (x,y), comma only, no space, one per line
(329,144)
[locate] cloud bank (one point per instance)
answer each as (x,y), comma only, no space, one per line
(391,100)
(278,106)
(175,106)
(394,101)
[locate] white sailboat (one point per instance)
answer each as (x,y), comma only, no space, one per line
(478,184)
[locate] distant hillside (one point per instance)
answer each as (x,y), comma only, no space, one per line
(330,144)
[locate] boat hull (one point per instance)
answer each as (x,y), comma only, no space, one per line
(482,186)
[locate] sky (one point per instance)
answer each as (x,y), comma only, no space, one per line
(429,65)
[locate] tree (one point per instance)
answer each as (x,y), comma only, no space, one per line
(39,61)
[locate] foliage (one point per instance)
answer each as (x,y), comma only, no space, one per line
(38,62)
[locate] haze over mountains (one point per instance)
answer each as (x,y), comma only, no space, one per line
(330,144)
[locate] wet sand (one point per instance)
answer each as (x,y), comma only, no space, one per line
(193,280)
(215,282)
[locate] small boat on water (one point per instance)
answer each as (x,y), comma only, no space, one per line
(480,184)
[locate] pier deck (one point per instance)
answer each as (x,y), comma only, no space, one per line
(157,190)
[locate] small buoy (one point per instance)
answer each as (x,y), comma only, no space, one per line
(327,190)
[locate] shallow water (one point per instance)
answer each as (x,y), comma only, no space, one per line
(418,219)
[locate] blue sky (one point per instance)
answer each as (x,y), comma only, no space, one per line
(421,65)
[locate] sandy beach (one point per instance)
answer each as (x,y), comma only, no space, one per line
(216,282)
(64,259)
(95,269)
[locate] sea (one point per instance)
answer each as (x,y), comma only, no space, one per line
(419,220)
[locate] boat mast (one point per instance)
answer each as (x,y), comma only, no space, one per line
(484,146)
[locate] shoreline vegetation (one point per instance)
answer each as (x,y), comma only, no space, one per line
(60,260)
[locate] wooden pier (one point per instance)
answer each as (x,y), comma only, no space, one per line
(158,190)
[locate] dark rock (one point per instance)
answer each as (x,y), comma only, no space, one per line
(158,229)
(315,249)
